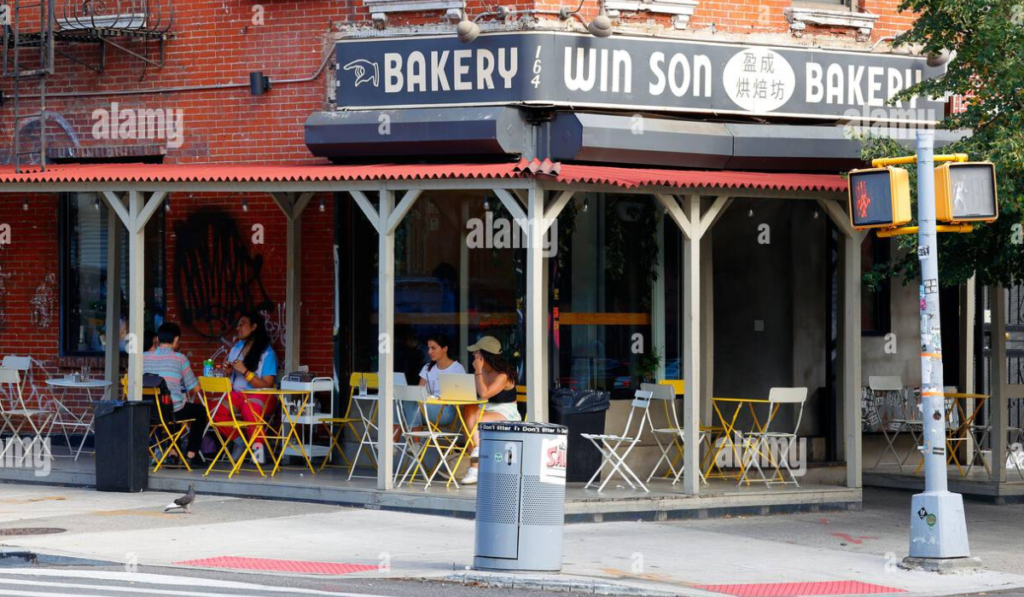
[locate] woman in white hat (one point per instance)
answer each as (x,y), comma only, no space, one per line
(496,383)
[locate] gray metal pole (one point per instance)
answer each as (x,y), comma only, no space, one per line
(938,529)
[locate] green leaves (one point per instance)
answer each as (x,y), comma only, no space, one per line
(987,37)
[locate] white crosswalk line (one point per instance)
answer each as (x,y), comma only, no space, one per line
(141,578)
(35,594)
(143,591)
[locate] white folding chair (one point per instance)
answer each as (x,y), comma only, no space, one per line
(674,446)
(756,443)
(615,448)
(417,443)
(887,390)
(38,420)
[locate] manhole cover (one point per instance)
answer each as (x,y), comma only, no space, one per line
(37,531)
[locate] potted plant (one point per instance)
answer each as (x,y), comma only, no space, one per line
(648,364)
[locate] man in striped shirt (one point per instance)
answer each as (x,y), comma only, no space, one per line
(174,367)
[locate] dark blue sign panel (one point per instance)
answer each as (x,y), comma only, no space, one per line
(564,69)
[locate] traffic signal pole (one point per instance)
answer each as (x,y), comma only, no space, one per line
(938,528)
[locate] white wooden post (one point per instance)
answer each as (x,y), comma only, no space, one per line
(691,346)
(136,293)
(385,341)
(293,206)
(536,395)
(112,364)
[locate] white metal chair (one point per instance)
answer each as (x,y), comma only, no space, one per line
(883,389)
(756,443)
(417,443)
(616,448)
(673,448)
(38,420)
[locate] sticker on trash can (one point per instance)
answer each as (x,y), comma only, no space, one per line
(553,460)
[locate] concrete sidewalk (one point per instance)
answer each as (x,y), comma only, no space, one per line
(691,558)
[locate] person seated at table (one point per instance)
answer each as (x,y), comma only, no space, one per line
(440,364)
(253,366)
(495,382)
(175,369)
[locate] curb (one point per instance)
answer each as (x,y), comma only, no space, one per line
(21,558)
(549,584)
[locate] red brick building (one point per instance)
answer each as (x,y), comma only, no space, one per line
(194,69)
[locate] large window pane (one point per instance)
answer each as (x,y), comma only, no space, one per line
(84,275)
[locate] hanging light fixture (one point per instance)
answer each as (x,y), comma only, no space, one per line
(750,213)
(323,207)
(467,30)
(601,26)
(167,204)
(96,204)
(24,205)
(586,205)
(245,205)
(487,204)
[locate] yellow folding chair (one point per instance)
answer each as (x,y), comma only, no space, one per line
(521,398)
(164,435)
(218,390)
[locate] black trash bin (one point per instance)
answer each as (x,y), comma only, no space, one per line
(122,451)
(582,411)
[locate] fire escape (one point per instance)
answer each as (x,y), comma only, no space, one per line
(33,34)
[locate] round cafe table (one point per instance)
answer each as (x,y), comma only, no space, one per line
(64,417)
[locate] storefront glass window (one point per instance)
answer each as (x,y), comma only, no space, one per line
(83,286)
(459,271)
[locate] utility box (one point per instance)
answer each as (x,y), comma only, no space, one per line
(520,499)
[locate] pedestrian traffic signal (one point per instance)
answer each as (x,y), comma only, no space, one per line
(879,198)
(966,192)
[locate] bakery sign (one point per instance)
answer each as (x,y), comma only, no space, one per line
(565,69)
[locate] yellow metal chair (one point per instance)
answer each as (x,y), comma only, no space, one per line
(218,391)
(521,398)
(705,432)
(340,424)
(164,435)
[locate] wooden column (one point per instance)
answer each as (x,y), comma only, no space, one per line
(385,341)
(691,346)
(112,362)
(536,394)
(136,293)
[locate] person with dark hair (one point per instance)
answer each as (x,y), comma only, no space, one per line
(175,369)
(438,348)
(253,366)
(495,382)
(150,342)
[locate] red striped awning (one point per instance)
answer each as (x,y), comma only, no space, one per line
(625,178)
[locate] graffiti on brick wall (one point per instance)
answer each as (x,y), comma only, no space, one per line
(216,278)
(44,301)
(275,323)
(4,276)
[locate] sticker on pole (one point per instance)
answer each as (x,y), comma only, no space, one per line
(553,460)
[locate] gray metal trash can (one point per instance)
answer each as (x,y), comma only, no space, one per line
(520,498)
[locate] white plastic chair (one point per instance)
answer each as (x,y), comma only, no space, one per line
(755,443)
(615,448)
(38,420)
(417,443)
(673,435)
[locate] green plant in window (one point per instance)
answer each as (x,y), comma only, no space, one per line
(648,363)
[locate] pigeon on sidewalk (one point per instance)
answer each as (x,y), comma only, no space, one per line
(185,501)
